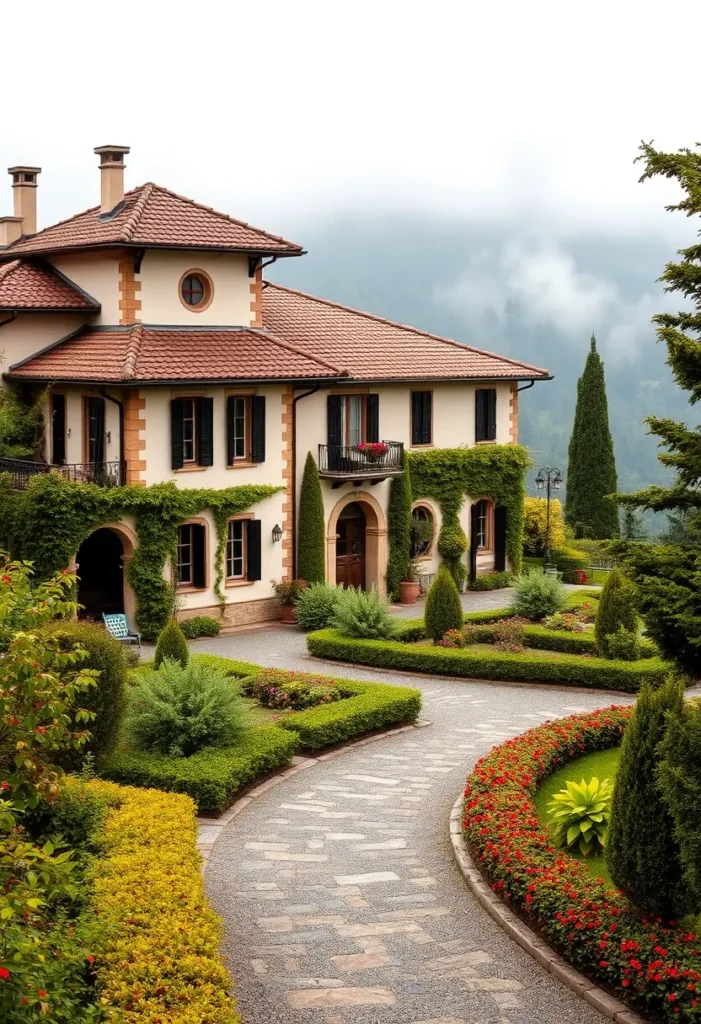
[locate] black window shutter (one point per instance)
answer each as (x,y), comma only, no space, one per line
(253,551)
(230,430)
(58,429)
(491,414)
(199,562)
(372,412)
(426,398)
(500,538)
(176,433)
(333,418)
(205,433)
(97,412)
(474,523)
(258,428)
(416,417)
(480,415)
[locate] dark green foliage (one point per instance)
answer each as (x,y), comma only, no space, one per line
(568,561)
(594,673)
(642,853)
(21,422)
(200,625)
(311,561)
(591,472)
(399,530)
(623,645)
(452,545)
(316,606)
(108,698)
(492,581)
(679,777)
(632,526)
(616,608)
(443,606)
(172,645)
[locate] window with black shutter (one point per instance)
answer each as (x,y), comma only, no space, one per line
(205,431)
(192,432)
(485,414)
(500,538)
(421,417)
(94,436)
(257,428)
(253,550)
(372,418)
(333,420)
(58,429)
(191,566)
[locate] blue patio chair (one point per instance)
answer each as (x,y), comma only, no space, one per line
(118,627)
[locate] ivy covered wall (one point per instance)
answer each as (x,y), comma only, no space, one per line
(47,523)
(450,475)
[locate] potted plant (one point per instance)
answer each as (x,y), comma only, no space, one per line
(409,588)
(288,591)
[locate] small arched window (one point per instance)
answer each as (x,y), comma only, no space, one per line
(423,528)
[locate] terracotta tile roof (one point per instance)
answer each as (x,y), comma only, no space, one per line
(370,348)
(29,286)
(153,216)
(142,354)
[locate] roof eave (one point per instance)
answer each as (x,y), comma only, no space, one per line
(50,309)
(8,254)
(447,380)
(172,382)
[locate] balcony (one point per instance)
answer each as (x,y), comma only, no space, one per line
(106,474)
(342,463)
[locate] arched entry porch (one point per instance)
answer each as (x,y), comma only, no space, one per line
(356,543)
(101,564)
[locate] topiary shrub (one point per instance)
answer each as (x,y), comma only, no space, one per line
(316,606)
(452,545)
(642,852)
(537,595)
(679,778)
(200,625)
(363,614)
(179,710)
(623,645)
(443,606)
(108,697)
(616,609)
(399,529)
(311,560)
(171,645)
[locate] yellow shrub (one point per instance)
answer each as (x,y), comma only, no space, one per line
(534,518)
(158,961)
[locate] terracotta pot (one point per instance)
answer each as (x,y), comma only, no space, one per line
(288,612)
(408,591)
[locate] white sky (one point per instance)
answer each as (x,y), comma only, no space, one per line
(286,112)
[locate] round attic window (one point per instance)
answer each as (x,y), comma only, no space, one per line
(196,290)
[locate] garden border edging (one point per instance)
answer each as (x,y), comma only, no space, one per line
(527,939)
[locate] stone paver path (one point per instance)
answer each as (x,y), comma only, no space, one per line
(340,895)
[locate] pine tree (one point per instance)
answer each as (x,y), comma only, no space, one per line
(399,529)
(616,609)
(311,561)
(591,472)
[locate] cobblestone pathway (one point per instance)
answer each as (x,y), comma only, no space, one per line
(338,888)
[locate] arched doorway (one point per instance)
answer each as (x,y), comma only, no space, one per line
(350,547)
(100,569)
(371,531)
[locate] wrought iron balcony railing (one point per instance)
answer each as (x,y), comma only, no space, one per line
(360,462)
(106,474)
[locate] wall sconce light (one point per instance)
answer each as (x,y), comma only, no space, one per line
(277,533)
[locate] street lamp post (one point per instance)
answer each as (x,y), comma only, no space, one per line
(550,478)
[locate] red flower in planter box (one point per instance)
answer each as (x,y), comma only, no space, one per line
(372,449)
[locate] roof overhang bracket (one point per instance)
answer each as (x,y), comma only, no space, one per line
(138,259)
(253,262)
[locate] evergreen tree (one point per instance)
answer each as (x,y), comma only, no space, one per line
(443,605)
(311,561)
(679,776)
(642,853)
(591,472)
(171,645)
(616,609)
(632,525)
(669,578)
(399,529)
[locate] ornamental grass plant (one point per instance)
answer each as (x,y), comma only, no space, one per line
(537,595)
(316,606)
(363,614)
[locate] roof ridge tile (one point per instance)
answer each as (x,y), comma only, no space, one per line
(131,358)
(137,213)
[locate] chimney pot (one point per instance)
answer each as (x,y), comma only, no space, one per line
(10,230)
(24,184)
(111,176)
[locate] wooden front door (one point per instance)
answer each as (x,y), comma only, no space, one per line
(350,548)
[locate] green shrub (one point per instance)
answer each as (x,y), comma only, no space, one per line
(579,815)
(616,609)
(492,581)
(171,645)
(537,595)
(132,656)
(596,673)
(679,777)
(399,531)
(311,543)
(317,605)
(200,625)
(443,606)
(623,645)
(179,711)
(569,561)
(107,699)
(279,688)
(363,613)
(642,853)
(452,545)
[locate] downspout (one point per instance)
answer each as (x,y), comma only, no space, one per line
(525,387)
(120,405)
(297,398)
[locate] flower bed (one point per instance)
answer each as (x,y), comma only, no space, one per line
(655,968)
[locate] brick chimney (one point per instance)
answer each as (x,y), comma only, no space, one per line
(111,176)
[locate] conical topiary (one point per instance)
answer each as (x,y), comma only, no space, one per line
(616,609)
(171,645)
(310,545)
(443,606)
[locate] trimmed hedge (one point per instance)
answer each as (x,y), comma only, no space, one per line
(492,581)
(597,673)
(200,625)
(569,561)
(157,953)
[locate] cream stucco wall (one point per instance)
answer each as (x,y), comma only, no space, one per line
(160,276)
(96,273)
(31,332)
(75,441)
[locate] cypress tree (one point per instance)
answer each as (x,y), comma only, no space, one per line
(679,775)
(171,645)
(443,605)
(642,853)
(616,609)
(591,472)
(311,563)
(399,520)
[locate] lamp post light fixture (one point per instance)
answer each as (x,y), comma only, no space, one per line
(277,533)
(550,478)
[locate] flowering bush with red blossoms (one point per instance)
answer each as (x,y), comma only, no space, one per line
(654,965)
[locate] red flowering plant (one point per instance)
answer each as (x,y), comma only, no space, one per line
(372,450)
(654,965)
